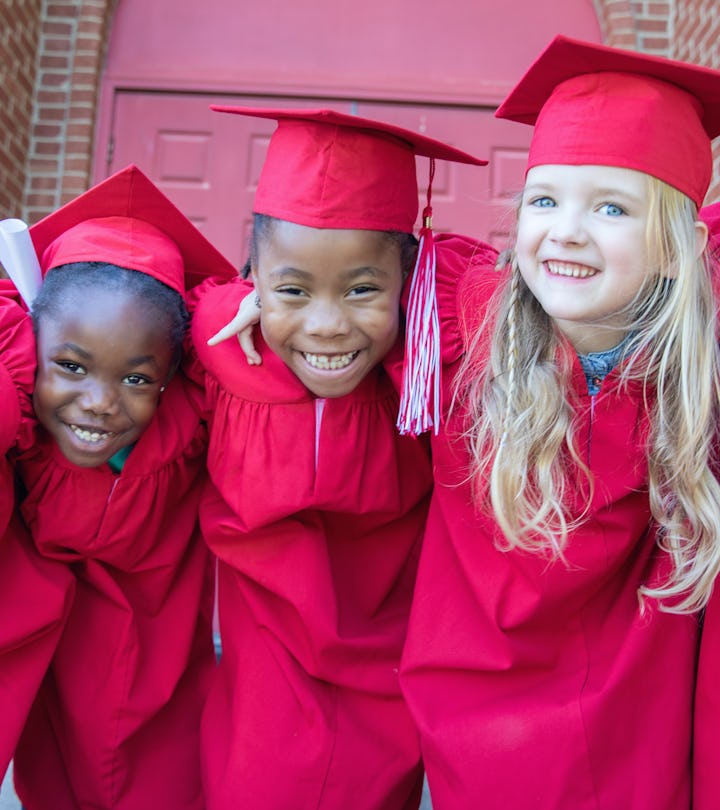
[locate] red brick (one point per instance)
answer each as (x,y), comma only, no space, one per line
(43,183)
(79,130)
(50,79)
(51,97)
(44,166)
(62,10)
(55,28)
(39,200)
(48,148)
(47,130)
(49,62)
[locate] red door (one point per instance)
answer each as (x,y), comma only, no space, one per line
(436,68)
(208,163)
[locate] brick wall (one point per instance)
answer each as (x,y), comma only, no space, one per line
(70,52)
(19,32)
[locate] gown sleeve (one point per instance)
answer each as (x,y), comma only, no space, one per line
(17,370)
(465,270)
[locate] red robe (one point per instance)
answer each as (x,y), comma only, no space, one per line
(539,684)
(35,594)
(706,755)
(316,514)
(116,724)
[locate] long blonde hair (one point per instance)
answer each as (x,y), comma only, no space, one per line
(525,465)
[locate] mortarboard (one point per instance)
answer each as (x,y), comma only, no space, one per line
(126,220)
(596,105)
(326,169)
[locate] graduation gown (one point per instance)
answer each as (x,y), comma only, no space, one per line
(706,754)
(116,724)
(315,513)
(540,684)
(35,594)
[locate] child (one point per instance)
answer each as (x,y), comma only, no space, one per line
(113,487)
(35,594)
(319,505)
(551,649)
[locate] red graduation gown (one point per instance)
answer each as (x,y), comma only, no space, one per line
(116,724)
(535,684)
(35,594)
(316,514)
(706,754)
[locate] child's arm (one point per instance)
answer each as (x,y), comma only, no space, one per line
(242,325)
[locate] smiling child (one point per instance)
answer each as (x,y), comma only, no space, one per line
(319,505)
(574,531)
(113,484)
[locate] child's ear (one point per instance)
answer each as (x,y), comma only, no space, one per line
(701,238)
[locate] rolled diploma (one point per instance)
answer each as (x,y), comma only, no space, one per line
(19,259)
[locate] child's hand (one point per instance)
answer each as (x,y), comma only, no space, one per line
(242,325)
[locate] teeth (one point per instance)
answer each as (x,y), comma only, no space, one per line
(571,270)
(330,361)
(88,436)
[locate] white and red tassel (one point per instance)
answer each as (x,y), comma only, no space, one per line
(420,396)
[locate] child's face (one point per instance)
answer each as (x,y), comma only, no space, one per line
(581,248)
(330,302)
(101,363)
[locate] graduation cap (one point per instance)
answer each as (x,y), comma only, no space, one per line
(127,221)
(596,105)
(326,169)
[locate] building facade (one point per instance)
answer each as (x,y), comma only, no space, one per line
(89,85)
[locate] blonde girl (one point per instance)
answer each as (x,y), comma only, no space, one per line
(574,530)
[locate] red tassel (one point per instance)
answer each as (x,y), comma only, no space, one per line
(420,397)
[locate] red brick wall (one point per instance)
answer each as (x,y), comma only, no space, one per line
(19,31)
(70,52)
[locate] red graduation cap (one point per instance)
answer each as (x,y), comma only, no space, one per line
(596,105)
(326,169)
(126,220)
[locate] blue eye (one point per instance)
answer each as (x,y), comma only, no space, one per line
(612,210)
(543,202)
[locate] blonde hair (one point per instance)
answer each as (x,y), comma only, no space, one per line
(525,465)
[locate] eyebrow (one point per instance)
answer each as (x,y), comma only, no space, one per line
(72,347)
(142,360)
(350,275)
(132,362)
(606,191)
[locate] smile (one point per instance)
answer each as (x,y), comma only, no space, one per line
(330,361)
(570,270)
(90,436)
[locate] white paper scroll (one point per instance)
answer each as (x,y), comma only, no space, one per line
(18,257)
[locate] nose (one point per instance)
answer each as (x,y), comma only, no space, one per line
(99,398)
(568,226)
(326,319)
